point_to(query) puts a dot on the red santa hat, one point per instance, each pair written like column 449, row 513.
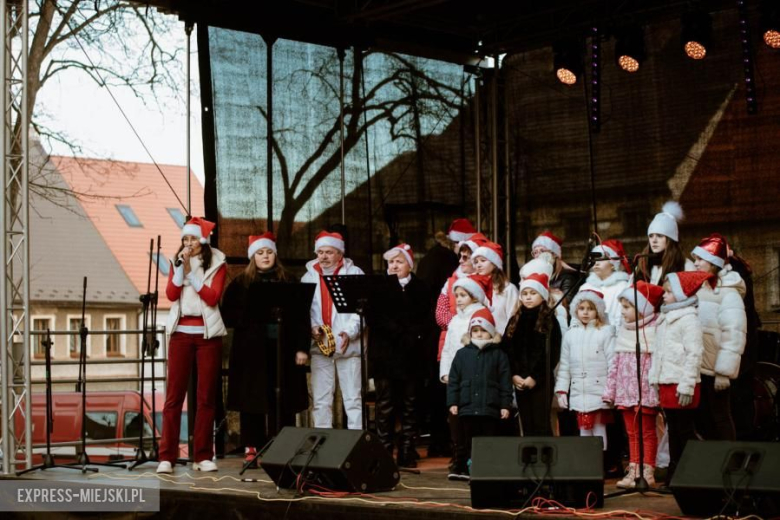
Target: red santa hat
column 614, row 252
column 483, row 318
column 593, row 296
column 460, row 230
column 550, row 242
column 478, row 286
column 648, row 297
column 714, row 249
column 493, row 252
column 199, row 228
column 665, row 223
column 404, row 249
column 539, row 282
column 473, row 243
column 258, row 242
column 686, row 283
column 325, row 239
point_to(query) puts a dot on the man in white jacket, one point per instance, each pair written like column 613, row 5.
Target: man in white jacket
column 330, row 260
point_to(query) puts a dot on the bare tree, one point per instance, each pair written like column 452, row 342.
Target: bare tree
column 400, row 97
column 116, row 44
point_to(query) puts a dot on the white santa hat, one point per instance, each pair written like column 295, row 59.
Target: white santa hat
column 473, row 243
column 199, row 228
column 665, row 223
column 537, row 265
column 460, row 230
column 596, row 298
column 550, row 242
column 483, row 318
column 493, row 252
column 258, row 242
column 325, row 239
column 479, row 287
column 404, row 249
column 648, row 297
column 539, row 282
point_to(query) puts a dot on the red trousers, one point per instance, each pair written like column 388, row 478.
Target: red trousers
column 207, row 353
column 648, row 434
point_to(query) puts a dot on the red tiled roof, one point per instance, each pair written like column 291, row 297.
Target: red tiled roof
column 138, row 185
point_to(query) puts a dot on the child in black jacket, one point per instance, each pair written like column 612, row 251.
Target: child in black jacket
column 479, row 388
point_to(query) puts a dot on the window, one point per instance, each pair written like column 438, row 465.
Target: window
column 177, row 216
column 162, row 264
column 132, row 429
column 129, row 215
column 114, row 341
column 40, row 325
column 101, row 425
column 183, row 431
column 74, row 340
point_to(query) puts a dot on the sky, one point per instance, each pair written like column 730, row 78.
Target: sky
column 75, row 104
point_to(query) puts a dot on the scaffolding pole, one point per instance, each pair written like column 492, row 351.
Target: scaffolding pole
column 15, row 245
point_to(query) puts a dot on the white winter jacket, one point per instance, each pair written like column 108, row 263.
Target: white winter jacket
column 213, row 327
column 724, row 323
column 678, row 349
column 625, row 340
column 586, row 354
column 503, row 306
column 349, row 323
column 458, row 327
column 611, row 289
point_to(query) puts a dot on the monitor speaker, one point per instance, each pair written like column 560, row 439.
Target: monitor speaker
column 508, row 472
column 337, row 460
column 721, row 477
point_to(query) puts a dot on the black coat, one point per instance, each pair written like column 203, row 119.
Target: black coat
column 480, row 381
column 398, row 319
column 252, row 369
column 526, row 347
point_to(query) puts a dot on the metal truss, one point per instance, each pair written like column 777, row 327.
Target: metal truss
column 15, row 404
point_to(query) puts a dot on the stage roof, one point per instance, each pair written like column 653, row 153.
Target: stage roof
column 448, row 30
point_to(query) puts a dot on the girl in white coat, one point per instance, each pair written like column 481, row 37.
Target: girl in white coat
column 489, row 261
column 677, row 354
column 724, row 323
column 586, row 353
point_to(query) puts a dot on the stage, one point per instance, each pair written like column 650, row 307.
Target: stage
column 429, row 496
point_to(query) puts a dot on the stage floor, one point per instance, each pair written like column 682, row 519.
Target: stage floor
column 429, row 495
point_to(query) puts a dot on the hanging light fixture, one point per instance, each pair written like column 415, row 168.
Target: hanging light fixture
column 567, row 61
column 696, row 36
column 630, row 49
column 770, row 23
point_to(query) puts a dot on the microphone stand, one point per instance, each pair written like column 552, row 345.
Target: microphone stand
column 81, row 386
column 48, row 458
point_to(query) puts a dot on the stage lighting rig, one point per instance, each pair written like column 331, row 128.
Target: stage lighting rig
column 630, row 49
column 696, row 36
column 770, row 23
column 567, row 61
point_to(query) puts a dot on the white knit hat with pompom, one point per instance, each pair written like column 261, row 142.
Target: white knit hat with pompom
column 665, row 223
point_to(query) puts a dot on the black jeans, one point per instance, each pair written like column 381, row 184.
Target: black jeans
column 681, row 425
column 393, row 396
column 713, row 416
column 476, row 426
column 535, row 409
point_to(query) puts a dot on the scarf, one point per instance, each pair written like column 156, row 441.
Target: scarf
column 325, row 299
column 692, row 301
column 644, row 322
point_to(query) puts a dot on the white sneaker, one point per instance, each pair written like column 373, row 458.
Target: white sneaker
column 204, row 465
column 164, row 467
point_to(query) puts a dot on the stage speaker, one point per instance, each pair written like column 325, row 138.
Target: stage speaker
column 507, row 472
column 721, row 477
column 338, row 460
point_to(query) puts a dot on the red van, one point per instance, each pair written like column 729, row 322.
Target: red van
column 111, row 415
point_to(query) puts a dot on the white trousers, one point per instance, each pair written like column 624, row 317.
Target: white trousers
column 599, row 430
column 323, row 387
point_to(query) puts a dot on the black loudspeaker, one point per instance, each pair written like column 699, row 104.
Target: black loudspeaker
column 721, row 477
column 510, row 471
column 337, row 460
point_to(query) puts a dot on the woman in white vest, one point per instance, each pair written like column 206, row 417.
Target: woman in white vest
column 195, row 283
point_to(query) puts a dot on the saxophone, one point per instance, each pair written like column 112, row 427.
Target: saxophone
column 327, row 343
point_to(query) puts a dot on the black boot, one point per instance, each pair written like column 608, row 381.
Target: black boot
column 385, row 419
column 407, row 456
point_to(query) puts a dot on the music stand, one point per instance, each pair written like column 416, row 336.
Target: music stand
column 280, row 301
column 352, row 295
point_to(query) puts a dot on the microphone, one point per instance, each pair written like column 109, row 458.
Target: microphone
column 179, row 259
